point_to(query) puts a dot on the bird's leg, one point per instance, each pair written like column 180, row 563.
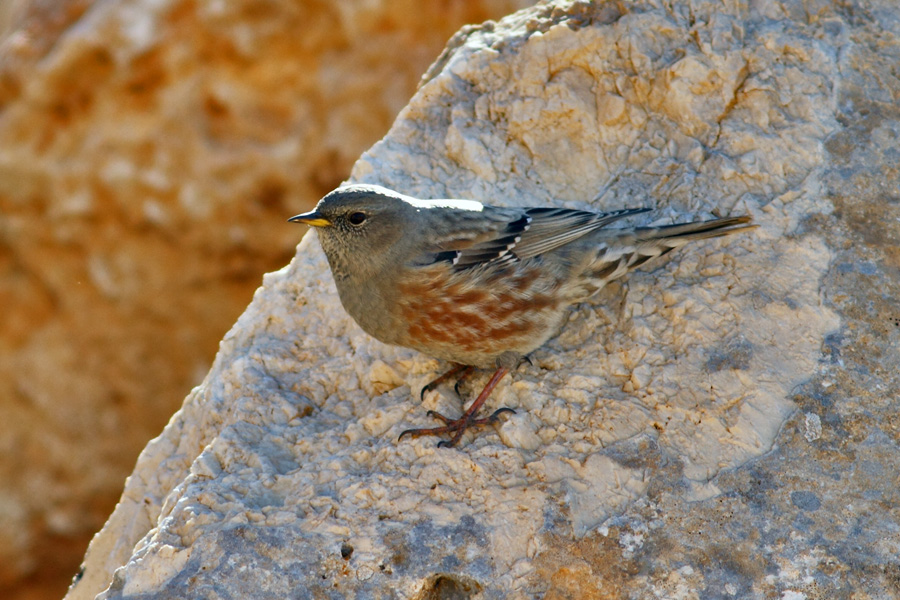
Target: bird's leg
column 458, row 371
column 458, row 426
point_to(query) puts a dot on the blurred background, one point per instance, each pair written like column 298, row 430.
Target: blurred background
column 150, row 154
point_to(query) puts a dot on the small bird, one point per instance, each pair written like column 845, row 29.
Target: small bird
column 477, row 285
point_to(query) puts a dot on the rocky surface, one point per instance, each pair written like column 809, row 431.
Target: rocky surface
column 724, row 425
column 150, row 152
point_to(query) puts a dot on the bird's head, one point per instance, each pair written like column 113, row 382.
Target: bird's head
column 360, row 227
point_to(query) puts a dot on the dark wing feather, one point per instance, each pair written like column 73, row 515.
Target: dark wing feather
column 520, row 234
column 496, row 248
column 555, row 227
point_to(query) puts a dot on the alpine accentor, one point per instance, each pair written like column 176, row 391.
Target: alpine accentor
column 477, row 285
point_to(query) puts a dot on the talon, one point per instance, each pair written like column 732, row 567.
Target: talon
column 426, row 388
column 496, row 414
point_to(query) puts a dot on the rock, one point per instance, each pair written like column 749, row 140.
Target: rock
column 678, row 455
column 150, row 153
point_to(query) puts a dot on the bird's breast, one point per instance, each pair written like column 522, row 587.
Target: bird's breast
column 471, row 316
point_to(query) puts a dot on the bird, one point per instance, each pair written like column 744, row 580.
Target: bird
column 477, row 285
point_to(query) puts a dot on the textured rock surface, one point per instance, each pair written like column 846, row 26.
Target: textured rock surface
column 723, row 425
column 150, row 152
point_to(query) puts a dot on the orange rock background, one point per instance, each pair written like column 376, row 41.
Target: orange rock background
column 150, row 153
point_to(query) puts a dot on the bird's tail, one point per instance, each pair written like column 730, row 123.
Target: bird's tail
column 632, row 248
column 682, row 233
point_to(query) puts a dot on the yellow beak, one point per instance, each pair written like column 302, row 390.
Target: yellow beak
column 311, row 218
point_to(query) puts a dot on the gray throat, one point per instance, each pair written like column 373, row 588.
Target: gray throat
column 363, row 298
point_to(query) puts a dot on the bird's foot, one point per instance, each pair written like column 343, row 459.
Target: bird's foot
column 455, row 426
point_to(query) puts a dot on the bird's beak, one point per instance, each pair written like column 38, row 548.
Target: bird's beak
column 311, row 218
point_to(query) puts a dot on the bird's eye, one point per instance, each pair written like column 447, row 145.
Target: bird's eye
column 356, row 218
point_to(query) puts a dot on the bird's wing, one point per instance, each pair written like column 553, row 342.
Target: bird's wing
column 498, row 236
column 551, row 228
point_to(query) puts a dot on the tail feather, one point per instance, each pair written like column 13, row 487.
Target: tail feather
column 683, row 233
column 633, row 248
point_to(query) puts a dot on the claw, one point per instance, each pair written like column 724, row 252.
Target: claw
column 495, row 416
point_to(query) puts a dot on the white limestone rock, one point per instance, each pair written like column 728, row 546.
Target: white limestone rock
column 282, row 474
